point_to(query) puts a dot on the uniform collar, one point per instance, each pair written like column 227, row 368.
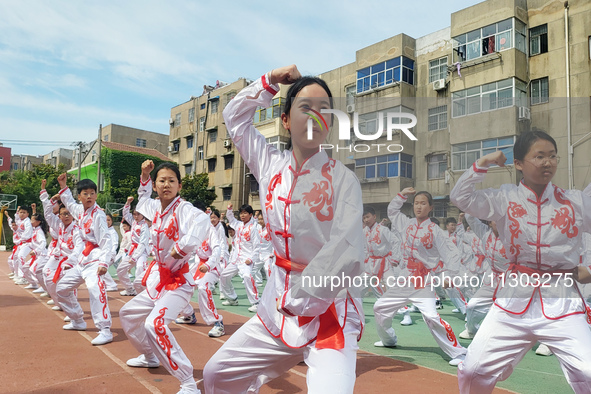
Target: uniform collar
column 315, row 161
column 531, row 195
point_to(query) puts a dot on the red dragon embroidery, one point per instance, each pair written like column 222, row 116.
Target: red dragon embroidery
column 172, row 231
column 210, row 303
column 162, row 338
column 246, row 234
column 205, row 246
column 87, row 225
column 564, row 220
column 272, row 185
column 103, row 296
column 427, row 239
column 450, row 333
column 376, row 238
column 515, row 211
column 321, row 194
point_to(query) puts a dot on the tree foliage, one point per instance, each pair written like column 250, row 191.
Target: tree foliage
column 195, row 189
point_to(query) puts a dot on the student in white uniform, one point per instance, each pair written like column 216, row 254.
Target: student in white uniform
column 312, row 205
column 178, row 229
column 541, row 226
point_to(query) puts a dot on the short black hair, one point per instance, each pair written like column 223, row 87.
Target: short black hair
column 526, row 139
column 435, row 220
column 367, row 209
column 111, row 216
column 216, row 213
column 169, row 166
column 450, row 220
column 42, row 222
column 25, row 208
column 199, row 205
column 125, row 222
column 246, row 208
column 85, row 184
column 426, row 194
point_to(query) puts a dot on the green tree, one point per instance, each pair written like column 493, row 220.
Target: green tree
column 195, row 189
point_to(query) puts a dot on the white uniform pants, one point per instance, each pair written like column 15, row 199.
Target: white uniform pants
column 145, row 322
column 395, row 298
column 252, row 357
column 23, row 253
column 457, row 298
column 504, row 339
column 37, row 268
column 123, row 273
column 245, row 272
column 48, row 274
column 207, row 307
column 97, row 294
column 11, row 259
column 478, row 307
column 141, row 266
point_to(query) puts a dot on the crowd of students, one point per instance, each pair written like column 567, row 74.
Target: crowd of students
column 520, row 250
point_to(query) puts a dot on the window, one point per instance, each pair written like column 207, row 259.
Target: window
column 15, row 166
column 229, row 97
column 200, row 153
column 213, row 136
column 538, row 40
column 211, row 165
column 106, row 138
column 589, row 47
column 369, row 123
column 140, row 142
column 438, row 118
column 202, row 123
column 492, row 38
column 436, row 166
column 191, row 114
column 254, row 185
column 1, row 161
column 214, row 106
column 188, row 169
column 272, row 112
column 463, row 155
column 385, row 73
column 93, row 157
column 176, row 145
column 539, row 91
column 228, row 162
column 437, row 69
column 202, row 106
column 189, row 142
column 227, row 193
column 488, row 97
column 278, row 142
column 350, row 94
column 440, row 210
column 386, row 166
column 177, row 120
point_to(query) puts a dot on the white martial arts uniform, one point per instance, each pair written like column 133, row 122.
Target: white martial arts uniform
column 543, row 240
column 137, row 254
column 425, row 246
column 25, row 232
column 168, row 281
column 16, row 240
column 247, row 243
column 122, row 259
column 109, row 282
column 97, row 251
column 266, row 257
column 314, row 213
column 40, row 256
column 495, row 264
column 379, row 252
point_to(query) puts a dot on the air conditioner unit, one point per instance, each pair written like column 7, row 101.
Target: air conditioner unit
column 439, row 84
column 170, row 148
column 524, row 113
column 227, row 143
column 350, row 108
column 171, row 121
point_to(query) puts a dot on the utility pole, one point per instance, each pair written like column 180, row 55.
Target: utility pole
column 80, row 159
column 98, row 169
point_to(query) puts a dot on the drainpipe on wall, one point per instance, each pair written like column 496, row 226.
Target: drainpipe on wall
column 568, row 125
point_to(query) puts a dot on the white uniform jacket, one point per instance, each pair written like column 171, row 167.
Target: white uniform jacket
column 140, row 236
column 542, row 238
column 51, row 218
column 247, row 240
column 93, row 230
column 210, row 251
column 266, row 248
column 426, row 247
column 495, row 256
column 314, row 215
column 378, row 246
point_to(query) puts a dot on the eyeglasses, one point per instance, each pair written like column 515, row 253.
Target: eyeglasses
column 65, row 214
column 539, row 161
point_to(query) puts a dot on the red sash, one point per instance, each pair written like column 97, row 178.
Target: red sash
column 89, row 248
column 58, row 271
column 330, row 333
column 382, row 264
column 199, row 274
column 480, row 260
column 133, row 248
column 168, row 280
column 418, row 270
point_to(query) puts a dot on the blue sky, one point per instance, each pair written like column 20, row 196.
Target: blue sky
column 68, row 66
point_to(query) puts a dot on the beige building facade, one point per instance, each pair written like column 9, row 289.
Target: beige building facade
column 59, row 156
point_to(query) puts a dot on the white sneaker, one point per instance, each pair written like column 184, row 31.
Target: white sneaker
column 21, row 282
column 406, row 321
column 142, row 362
column 104, row 337
column 253, row 308
column 189, row 388
column 77, row 326
column 402, row 311
column 455, row 310
column 31, row 286
column 214, row 291
column 44, row 294
column 11, row 275
column 67, row 319
column 222, row 296
column 413, row 309
column 381, row 344
column 56, row 308
column 456, row 361
column 50, row 302
column 543, row 350
column 128, row 293
column 112, row 289
column 466, row 335
column 38, row 290
column 187, row 319
column 230, row 302
column 217, row 330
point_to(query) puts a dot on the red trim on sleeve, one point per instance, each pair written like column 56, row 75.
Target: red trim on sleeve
column 266, row 85
column 180, row 252
column 144, row 183
column 403, row 197
column 63, row 190
column 476, row 169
